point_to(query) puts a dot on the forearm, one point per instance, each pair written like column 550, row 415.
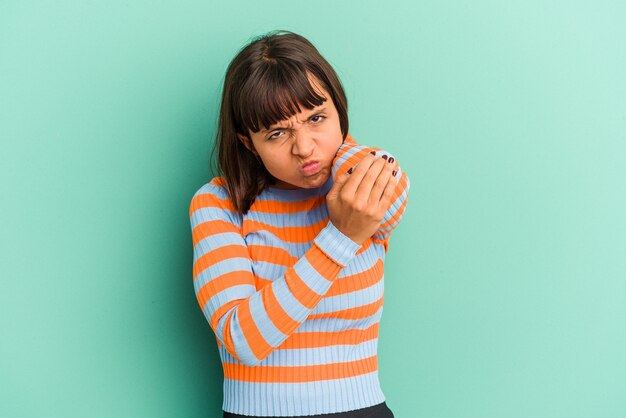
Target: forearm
column 258, row 321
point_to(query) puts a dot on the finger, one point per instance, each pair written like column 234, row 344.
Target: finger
column 389, row 193
column 338, row 184
column 357, row 174
column 381, row 183
column 387, row 198
column 364, row 190
column 372, row 185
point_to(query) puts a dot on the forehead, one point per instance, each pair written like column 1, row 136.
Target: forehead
column 300, row 115
column 304, row 112
column 278, row 98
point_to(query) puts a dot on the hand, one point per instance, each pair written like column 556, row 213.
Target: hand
column 357, row 202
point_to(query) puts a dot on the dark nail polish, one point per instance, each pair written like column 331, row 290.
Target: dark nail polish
column 391, row 160
column 384, row 157
column 373, row 152
column 350, row 171
column 394, row 172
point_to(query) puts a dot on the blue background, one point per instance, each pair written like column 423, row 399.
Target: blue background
column 505, row 282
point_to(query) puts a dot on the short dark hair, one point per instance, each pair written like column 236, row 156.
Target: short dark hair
column 267, row 82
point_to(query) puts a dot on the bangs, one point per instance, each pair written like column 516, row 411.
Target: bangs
column 274, row 95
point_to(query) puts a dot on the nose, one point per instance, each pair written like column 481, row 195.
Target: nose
column 303, row 144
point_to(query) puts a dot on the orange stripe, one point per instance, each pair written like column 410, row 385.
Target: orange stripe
column 294, row 374
column 258, row 345
column 358, row 281
column 280, row 318
column 281, row 257
column 218, row 255
column 358, row 312
column 208, row 228
column 261, row 283
column 219, row 312
column 209, row 200
column 281, row 207
column 219, row 181
column 365, row 246
column 349, row 141
column 401, row 186
column 325, row 339
column 395, row 216
column 353, row 159
column 274, row 255
column 384, row 243
column 324, row 266
column 294, row 234
column 224, row 281
column 301, row 291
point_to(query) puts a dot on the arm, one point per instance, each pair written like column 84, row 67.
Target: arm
column 250, row 323
column 348, row 155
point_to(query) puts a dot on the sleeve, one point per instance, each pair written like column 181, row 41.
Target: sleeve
column 251, row 323
column 348, row 155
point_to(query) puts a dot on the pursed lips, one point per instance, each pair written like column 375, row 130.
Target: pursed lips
column 310, row 168
column 309, row 163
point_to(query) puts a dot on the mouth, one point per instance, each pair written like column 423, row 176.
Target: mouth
column 310, row 168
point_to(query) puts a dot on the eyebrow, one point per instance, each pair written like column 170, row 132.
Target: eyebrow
column 315, row 111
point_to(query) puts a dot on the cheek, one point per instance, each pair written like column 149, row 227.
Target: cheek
column 276, row 164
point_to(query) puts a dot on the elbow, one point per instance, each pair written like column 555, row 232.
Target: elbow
column 234, row 341
column 248, row 359
column 251, row 361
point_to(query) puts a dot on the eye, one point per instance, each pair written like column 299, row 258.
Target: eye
column 321, row 117
column 272, row 135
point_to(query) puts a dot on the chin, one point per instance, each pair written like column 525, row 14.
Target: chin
column 307, row 183
column 320, row 180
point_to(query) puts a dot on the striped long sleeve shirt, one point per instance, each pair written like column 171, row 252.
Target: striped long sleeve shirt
column 295, row 304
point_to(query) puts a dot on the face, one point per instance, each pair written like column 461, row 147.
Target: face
column 309, row 136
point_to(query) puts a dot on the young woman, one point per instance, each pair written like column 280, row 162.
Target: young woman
column 289, row 242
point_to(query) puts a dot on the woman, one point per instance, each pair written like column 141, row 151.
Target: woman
column 290, row 242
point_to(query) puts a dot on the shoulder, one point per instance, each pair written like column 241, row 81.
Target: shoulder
column 211, row 211
column 213, row 194
column 216, row 187
column 351, row 152
column 352, row 147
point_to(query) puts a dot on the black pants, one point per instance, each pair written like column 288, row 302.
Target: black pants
column 375, row 411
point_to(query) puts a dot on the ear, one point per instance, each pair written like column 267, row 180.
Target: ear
column 247, row 143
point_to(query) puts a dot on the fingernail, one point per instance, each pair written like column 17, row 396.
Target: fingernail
column 373, row 152
column 394, row 172
column 350, row 171
column 384, row 157
column 391, row 160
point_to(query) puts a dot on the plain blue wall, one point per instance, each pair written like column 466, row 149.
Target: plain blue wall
column 505, row 282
